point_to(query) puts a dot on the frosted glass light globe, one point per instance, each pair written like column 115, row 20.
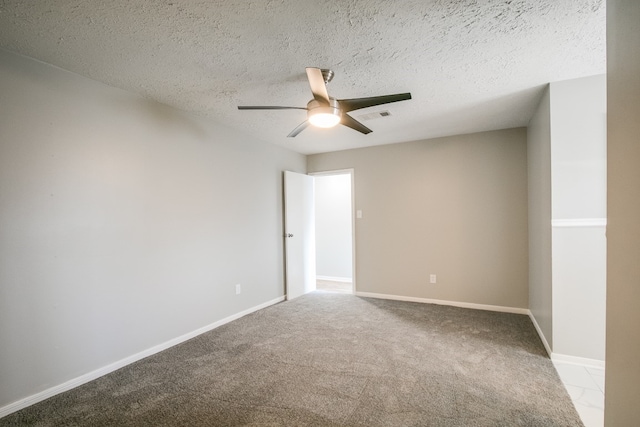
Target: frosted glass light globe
column 324, row 120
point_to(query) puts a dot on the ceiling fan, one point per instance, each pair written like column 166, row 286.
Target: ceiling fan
column 325, row 111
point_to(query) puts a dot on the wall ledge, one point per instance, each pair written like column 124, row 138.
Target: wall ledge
column 579, row 222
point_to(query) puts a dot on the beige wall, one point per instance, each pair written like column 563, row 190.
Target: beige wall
column 455, row 207
column 623, row 208
column 123, row 225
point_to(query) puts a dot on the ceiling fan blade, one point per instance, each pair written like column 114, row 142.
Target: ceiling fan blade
column 302, row 126
column 358, row 103
column 352, row 123
column 267, row 107
column 318, row 87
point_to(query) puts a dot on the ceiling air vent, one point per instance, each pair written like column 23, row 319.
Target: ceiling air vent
column 376, row 115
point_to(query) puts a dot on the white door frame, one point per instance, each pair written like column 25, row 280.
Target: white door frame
column 351, row 172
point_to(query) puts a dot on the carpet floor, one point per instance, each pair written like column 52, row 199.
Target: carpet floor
column 329, row 359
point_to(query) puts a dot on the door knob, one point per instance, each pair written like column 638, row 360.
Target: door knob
column 288, row 235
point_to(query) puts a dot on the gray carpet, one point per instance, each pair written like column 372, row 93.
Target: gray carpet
column 332, row 360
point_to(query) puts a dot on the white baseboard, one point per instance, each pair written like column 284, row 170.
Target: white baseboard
column 335, row 279
column 564, row 358
column 540, row 334
column 498, row 308
column 90, row 376
column 575, row 360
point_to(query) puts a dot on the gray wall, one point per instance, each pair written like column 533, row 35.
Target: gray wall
column 333, row 226
column 578, row 148
column 539, row 181
column 123, row 224
column 578, row 204
column 455, row 207
column 623, row 209
column 567, row 213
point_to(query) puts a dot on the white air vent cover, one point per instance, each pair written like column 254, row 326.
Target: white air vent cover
column 375, row 115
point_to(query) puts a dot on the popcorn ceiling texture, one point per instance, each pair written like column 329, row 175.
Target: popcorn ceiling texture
column 471, row 65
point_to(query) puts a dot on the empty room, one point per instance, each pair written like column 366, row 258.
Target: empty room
column 159, row 246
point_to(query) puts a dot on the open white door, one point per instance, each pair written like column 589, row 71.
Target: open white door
column 299, row 226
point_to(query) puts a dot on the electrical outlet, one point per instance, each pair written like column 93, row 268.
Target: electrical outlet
column 238, row 289
column 432, row 278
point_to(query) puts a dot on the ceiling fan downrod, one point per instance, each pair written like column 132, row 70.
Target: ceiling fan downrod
column 327, row 75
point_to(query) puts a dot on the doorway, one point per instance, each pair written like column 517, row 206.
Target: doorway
column 334, row 227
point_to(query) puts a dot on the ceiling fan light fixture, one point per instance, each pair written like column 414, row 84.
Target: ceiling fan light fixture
column 323, row 120
column 323, row 116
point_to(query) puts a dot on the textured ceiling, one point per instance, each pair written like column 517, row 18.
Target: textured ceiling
column 471, row 65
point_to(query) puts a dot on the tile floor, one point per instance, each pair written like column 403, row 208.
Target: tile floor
column 331, row 286
column 585, row 386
